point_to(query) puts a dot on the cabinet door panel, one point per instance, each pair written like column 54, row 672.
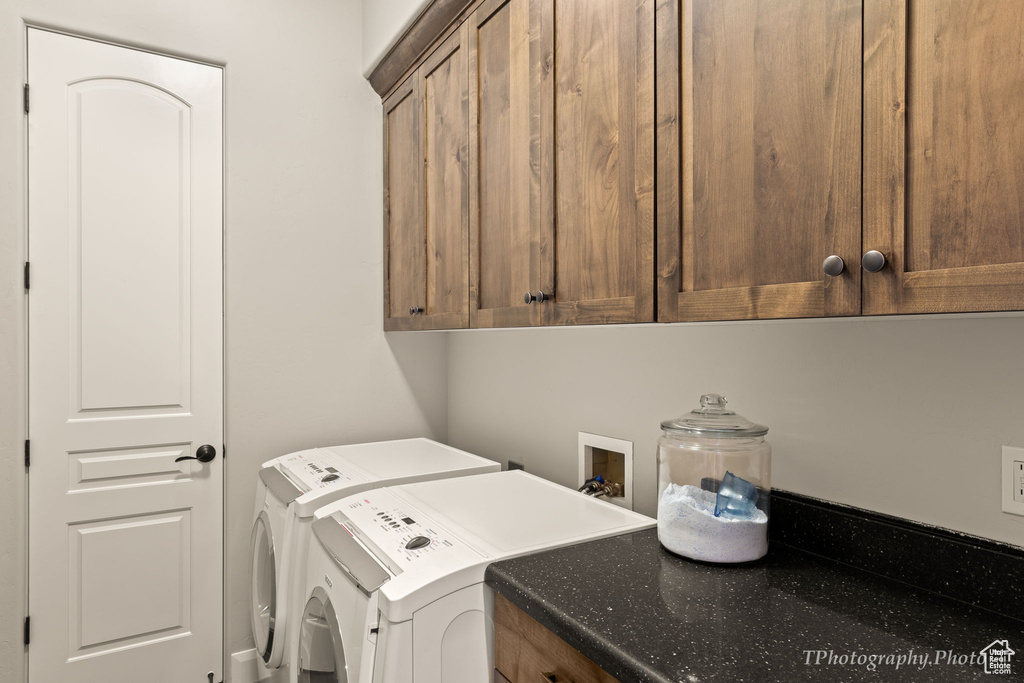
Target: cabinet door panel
column 404, row 247
column 759, row 158
column 526, row 652
column 446, row 128
column 602, row 162
column 944, row 161
column 505, row 83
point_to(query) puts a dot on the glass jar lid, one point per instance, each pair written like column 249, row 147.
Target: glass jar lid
column 714, row 419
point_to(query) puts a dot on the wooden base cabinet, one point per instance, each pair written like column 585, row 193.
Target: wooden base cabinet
column 526, row 652
column 426, row 195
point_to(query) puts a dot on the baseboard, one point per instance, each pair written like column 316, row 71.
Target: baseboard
column 243, row 667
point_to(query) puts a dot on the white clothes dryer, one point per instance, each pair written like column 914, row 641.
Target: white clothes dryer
column 395, row 579
column 290, row 488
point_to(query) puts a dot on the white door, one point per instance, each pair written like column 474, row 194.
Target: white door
column 125, row 369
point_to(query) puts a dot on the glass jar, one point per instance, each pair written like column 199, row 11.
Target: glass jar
column 714, row 485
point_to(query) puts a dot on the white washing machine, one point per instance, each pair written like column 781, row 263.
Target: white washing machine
column 395, row 576
column 289, row 490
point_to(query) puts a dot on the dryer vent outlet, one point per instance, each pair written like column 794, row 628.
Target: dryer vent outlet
column 612, row 459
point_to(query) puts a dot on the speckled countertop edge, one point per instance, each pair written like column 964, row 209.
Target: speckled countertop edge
column 599, row 650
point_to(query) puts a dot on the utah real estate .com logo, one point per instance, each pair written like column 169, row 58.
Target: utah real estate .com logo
column 996, row 657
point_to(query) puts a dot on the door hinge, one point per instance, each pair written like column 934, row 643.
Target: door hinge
column 223, row 451
column 28, row 632
column 28, row 453
column 28, row 275
column 26, row 98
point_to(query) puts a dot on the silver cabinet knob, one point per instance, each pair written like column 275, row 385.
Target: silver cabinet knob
column 413, row 310
column 529, row 297
column 873, row 261
column 833, row 266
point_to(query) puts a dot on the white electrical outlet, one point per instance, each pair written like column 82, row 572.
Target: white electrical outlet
column 1013, row 480
column 1018, row 481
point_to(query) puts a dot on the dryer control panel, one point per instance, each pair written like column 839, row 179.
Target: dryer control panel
column 403, row 537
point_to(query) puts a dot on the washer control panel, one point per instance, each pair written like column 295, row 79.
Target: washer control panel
column 397, row 533
column 316, row 470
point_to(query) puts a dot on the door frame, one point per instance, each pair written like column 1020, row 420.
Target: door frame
column 23, row 523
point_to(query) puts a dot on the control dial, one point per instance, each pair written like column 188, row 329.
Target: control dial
column 418, row 542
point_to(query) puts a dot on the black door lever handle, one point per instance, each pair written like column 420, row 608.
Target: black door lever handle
column 204, row 454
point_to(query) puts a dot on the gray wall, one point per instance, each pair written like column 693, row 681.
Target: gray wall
column 307, row 362
column 901, row 416
column 384, row 22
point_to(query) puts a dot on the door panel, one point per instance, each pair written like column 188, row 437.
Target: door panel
column 446, row 129
column 125, row 370
column 602, row 164
column 505, row 83
column 944, row 144
column 766, row 131
column 405, row 245
column 126, row 467
column 118, row 368
column 113, row 563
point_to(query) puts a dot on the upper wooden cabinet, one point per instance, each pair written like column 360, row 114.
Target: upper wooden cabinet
column 426, row 201
column 562, row 162
column 506, row 226
column 944, row 155
column 404, row 238
column 520, row 162
column 597, row 168
column 759, row 158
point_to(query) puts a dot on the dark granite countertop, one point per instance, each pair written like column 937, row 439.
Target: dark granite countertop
column 644, row 614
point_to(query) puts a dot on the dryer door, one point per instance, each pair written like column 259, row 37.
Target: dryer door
column 263, row 586
column 321, row 646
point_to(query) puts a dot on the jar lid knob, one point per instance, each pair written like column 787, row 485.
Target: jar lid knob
column 713, row 401
column 714, row 418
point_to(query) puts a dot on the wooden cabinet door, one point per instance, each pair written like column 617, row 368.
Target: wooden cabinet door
column 505, row 84
column 404, row 237
column 759, row 133
column 597, row 254
column 445, row 87
column 944, row 155
column 426, row 133
column 526, row 652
